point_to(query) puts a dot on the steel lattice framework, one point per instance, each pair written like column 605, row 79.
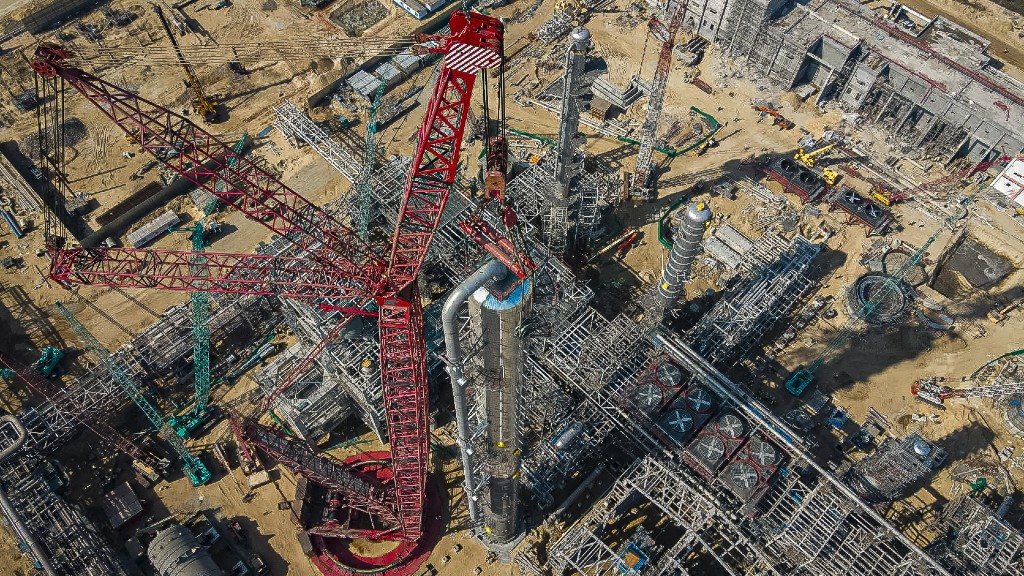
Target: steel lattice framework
column 644, row 158
column 340, row 266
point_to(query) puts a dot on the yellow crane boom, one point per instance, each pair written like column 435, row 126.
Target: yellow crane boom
column 808, row 158
column 202, row 105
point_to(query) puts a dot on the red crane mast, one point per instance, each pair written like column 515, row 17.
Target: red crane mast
column 340, row 265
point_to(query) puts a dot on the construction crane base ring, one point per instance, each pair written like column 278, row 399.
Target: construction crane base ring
column 334, row 556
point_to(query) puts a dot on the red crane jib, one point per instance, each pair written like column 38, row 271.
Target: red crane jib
column 475, row 43
column 290, row 277
column 340, row 265
column 204, row 160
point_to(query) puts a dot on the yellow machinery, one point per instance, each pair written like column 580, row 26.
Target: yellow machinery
column 997, row 316
column 808, row 158
column 202, row 105
column 830, row 176
column 885, row 197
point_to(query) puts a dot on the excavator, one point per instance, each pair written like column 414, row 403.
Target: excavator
column 777, row 118
column 996, row 316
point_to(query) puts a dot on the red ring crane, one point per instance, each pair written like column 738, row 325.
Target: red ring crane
column 339, row 267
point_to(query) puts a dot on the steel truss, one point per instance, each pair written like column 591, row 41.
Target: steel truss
column 741, row 318
column 293, row 122
column 75, row 543
column 977, row 540
column 335, row 251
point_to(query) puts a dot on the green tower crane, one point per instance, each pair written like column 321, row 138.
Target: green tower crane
column 187, row 423
column 194, row 468
column 802, row 378
column 220, row 185
column 369, row 162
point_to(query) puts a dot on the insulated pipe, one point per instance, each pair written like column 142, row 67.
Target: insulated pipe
column 11, row 515
column 450, row 321
column 19, row 441
column 8, row 509
column 578, row 492
column 685, row 247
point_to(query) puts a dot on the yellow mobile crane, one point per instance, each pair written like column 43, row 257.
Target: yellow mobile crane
column 202, row 105
column 810, row 158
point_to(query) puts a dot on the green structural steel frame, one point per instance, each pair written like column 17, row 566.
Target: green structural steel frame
column 365, row 187
column 194, row 468
column 240, row 147
column 187, row 423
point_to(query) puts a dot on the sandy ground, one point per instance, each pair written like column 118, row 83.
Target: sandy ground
column 1003, row 27
column 881, row 365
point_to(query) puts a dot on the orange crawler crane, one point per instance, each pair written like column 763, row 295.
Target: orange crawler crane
column 777, row 118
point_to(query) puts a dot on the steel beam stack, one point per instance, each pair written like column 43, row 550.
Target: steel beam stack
column 293, row 122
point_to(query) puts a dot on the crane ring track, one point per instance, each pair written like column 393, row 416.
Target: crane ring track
column 336, row 556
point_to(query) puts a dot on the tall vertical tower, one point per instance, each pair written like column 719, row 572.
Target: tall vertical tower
column 686, row 241
column 498, row 323
column 568, row 161
column 567, row 165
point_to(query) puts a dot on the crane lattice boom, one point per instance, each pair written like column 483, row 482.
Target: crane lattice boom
column 194, row 468
column 655, row 101
column 340, row 265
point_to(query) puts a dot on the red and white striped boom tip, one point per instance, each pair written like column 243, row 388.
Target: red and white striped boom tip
column 476, row 42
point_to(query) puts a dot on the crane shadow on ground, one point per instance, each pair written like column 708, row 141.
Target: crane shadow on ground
column 252, row 91
column 28, row 325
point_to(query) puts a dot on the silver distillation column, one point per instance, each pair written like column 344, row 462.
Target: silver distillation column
column 498, row 324
column 686, row 244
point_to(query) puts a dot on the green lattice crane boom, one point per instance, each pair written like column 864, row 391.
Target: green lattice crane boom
column 221, row 184
column 369, row 159
column 799, row 381
column 194, row 468
column 186, row 423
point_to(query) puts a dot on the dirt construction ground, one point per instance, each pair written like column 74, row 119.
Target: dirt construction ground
column 874, row 371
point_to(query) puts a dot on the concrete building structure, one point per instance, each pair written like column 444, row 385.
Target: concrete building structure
column 929, row 82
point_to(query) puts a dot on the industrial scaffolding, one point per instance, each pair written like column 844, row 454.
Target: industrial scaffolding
column 777, row 280
column 975, row 539
column 894, row 467
column 74, row 543
column 686, row 501
column 806, row 522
